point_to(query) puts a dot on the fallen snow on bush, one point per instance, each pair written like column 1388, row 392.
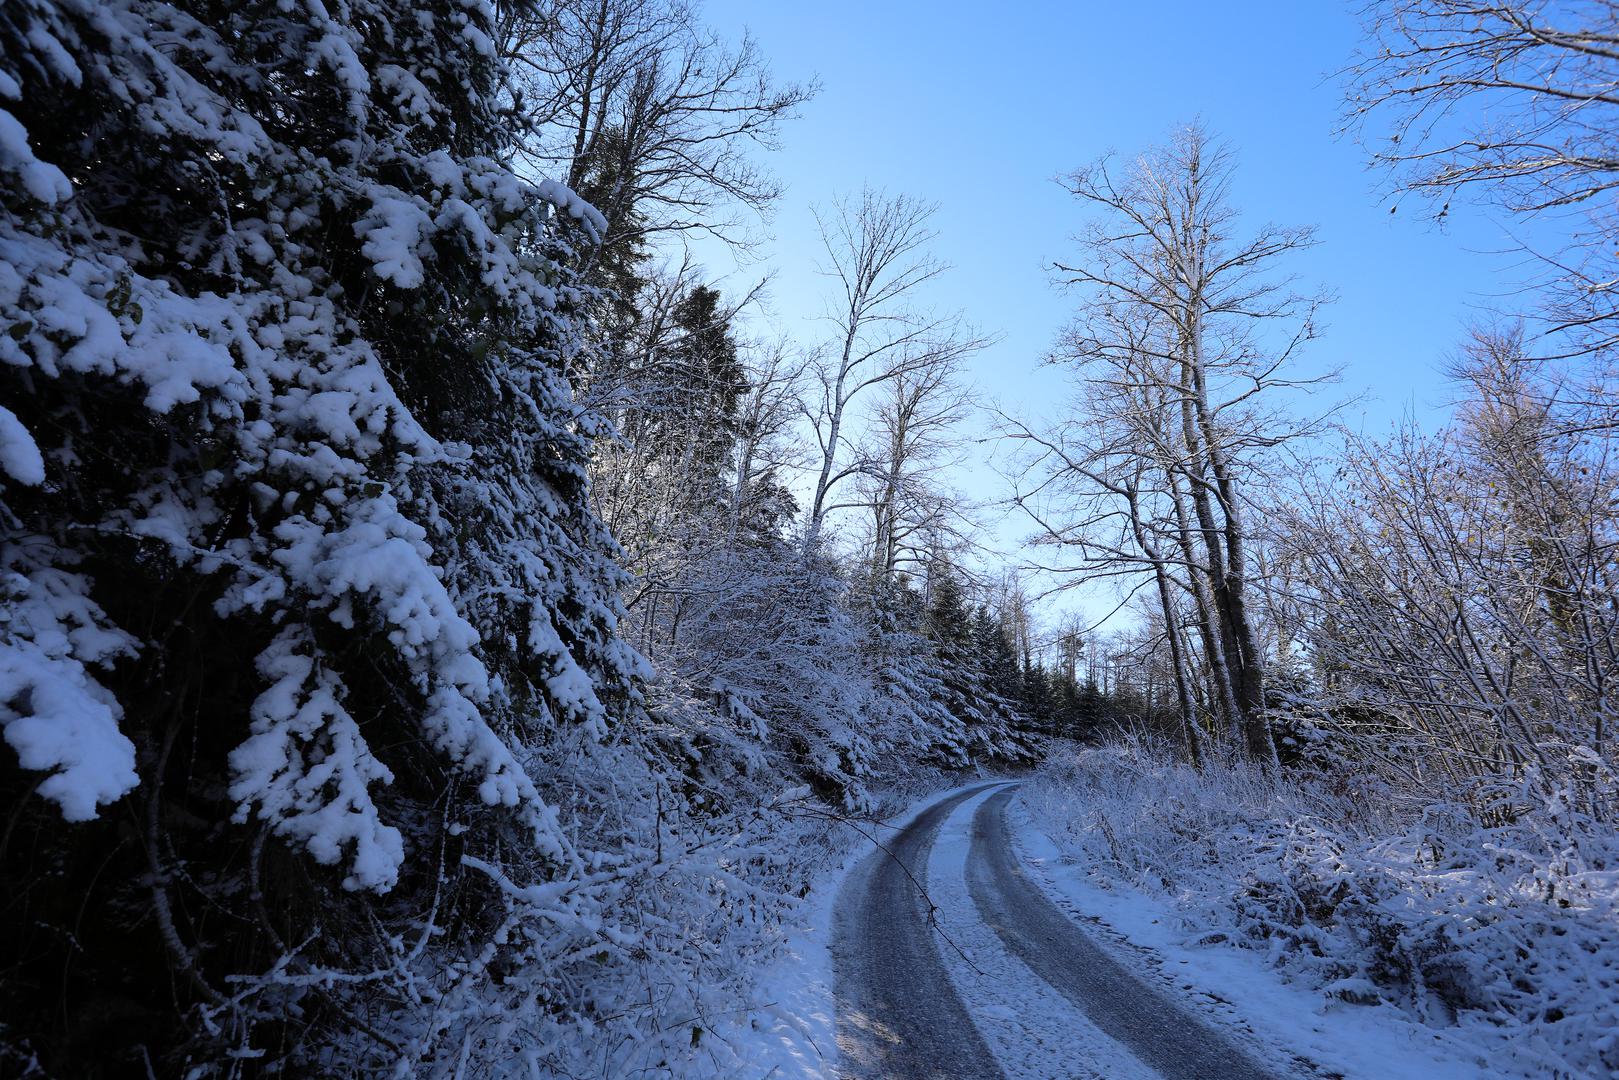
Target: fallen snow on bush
column 1502, row 937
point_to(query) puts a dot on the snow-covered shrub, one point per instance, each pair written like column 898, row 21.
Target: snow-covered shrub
column 772, row 663
column 1511, row 929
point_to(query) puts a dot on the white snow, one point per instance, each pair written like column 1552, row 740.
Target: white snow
column 790, row 1029
column 20, row 458
column 1031, row 1028
column 307, row 770
column 1236, row 987
column 1035, row 1032
column 790, row 1033
column 395, row 230
column 55, row 715
column 43, row 181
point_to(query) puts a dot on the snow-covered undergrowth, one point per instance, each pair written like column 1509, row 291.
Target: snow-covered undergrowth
column 1509, row 931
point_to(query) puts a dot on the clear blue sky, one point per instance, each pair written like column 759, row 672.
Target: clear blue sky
column 977, row 107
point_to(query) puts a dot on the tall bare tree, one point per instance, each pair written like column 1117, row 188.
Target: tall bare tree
column 763, row 450
column 1470, row 598
column 913, row 440
column 876, row 254
column 1097, row 486
column 646, row 111
column 1186, row 321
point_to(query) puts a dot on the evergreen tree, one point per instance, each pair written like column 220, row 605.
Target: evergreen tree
column 299, row 578
column 615, row 260
column 998, row 656
column 1039, row 699
column 1088, row 710
column 695, row 423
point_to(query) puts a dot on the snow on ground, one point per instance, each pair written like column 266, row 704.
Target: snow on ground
column 791, row 1032
column 1233, row 986
column 1032, row 1029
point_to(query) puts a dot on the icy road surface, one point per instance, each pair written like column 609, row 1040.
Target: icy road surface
column 951, row 962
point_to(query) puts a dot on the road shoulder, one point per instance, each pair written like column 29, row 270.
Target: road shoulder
column 1232, row 986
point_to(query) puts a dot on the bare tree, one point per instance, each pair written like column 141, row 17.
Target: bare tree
column 670, row 393
column 1097, row 488
column 1189, row 335
column 646, row 112
column 762, row 451
column 1535, row 447
column 913, row 440
column 875, row 248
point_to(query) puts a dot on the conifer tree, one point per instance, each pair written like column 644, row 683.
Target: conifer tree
column 298, row 570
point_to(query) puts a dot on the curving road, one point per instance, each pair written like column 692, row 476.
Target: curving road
column 897, row 1016
column 902, row 1015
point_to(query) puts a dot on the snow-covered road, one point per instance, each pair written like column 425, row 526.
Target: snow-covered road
column 952, row 962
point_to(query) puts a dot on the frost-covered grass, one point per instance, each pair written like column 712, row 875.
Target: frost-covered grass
column 1508, row 931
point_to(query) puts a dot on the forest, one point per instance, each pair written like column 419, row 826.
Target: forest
column 448, row 627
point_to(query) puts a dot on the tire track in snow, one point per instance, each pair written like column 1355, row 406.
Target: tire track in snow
column 898, row 1016
column 1161, row 1033
column 1033, row 1030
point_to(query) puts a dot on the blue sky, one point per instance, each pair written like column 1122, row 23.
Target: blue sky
column 977, row 107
